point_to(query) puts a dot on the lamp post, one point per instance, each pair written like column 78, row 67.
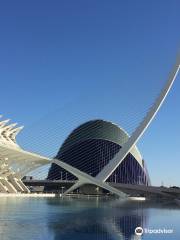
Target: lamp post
column 115, row 178
column 62, row 189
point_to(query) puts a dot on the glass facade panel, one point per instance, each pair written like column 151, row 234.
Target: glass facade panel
column 91, row 156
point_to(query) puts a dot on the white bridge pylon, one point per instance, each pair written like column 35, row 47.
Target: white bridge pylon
column 127, row 146
column 13, row 155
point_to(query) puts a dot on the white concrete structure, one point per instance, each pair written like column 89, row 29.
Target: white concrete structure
column 15, row 162
column 127, row 146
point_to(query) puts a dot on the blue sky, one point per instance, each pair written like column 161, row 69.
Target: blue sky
column 64, row 62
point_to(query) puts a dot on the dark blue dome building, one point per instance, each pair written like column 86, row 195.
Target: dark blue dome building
column 91, row 146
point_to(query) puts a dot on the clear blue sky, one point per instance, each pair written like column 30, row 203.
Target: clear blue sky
column 71, row 61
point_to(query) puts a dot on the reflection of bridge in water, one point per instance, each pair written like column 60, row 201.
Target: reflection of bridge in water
column 104, row 220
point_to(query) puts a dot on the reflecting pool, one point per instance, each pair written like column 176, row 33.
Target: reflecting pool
column 86, row 219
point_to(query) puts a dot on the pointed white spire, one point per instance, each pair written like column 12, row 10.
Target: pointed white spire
column 9, row 127
column 4, row 122
column 14, row 132
column 8, row 132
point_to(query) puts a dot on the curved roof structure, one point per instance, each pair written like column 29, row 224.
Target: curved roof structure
column 100, row 129
column 91, row 146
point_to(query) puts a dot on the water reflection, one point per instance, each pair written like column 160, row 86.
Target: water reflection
column 83, row 219
column 99, row 220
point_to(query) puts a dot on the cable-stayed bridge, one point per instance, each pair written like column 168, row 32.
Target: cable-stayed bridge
column 16, row 162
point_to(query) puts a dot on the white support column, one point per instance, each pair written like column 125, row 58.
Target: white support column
column 23, row 186
column 3, row 189
column 15, row 183
column 9, row 186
